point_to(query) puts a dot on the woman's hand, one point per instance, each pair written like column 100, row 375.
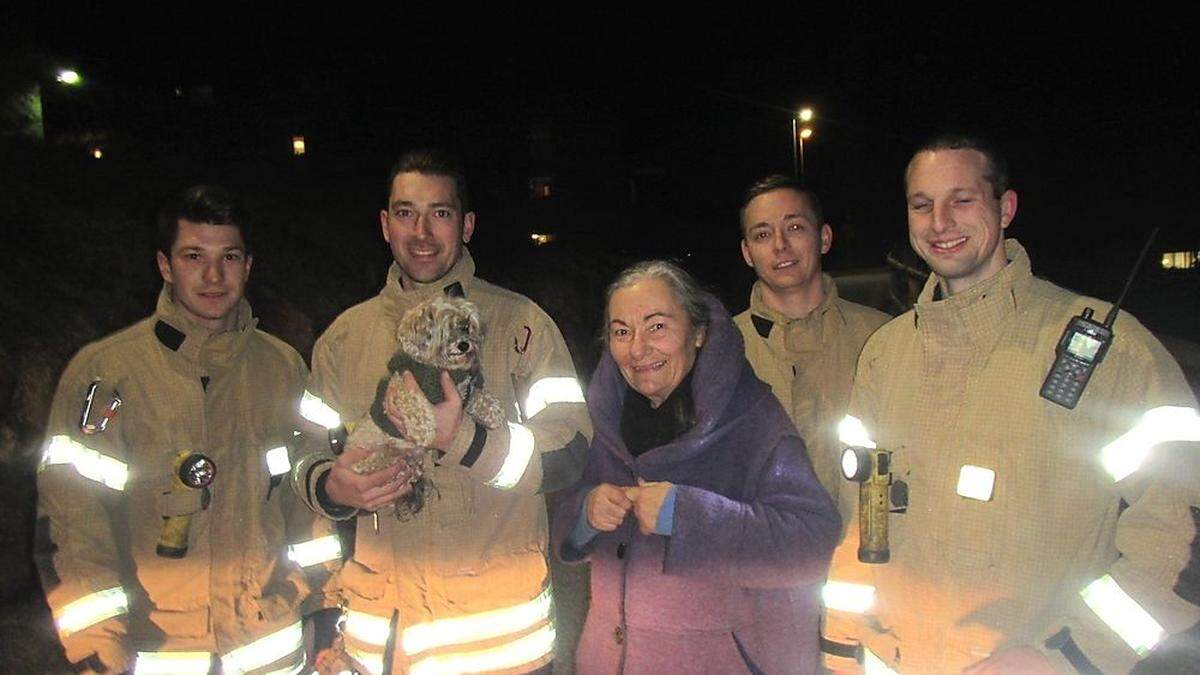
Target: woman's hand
column 607, row 506
column 647, row 501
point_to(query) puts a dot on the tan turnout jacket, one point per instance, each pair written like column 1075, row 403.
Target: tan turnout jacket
column 1027, row 523
column 464, row 584
column 809, row 364
column 236, row 595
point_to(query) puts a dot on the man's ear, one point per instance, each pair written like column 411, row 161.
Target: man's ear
column 826, row 238
column 468, row 226
column 746, row 253
column 164, row 266
column 1008, row 208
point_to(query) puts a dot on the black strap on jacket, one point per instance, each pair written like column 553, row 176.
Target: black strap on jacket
column 1064, row 643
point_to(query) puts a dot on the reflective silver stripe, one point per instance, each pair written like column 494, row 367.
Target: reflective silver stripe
column 88, row 463
column 847, row 597
column 265, row 651
column 550, row 390
column 474, row 627
column 873, row 665
column 317, row 411
column 529, row 648
column 368, row 628
column 278, row 462
column 90, row 610
column 172, row 663
column 852, row 432
column 315, row 551
column 1122, row 614
column 372, row 662
column 1159, row 425
column 976, row 482
column 520, row 451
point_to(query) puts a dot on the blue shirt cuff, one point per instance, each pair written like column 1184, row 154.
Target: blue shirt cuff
column 583, row 532
column 665, row 523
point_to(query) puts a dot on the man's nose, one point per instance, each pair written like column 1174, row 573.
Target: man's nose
column 943, row 220
column 779, row 241
column 214, row 272
column 422, row 225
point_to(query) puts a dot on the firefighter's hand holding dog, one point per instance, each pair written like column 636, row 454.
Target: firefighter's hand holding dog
column 367, row 491
column 447, row 415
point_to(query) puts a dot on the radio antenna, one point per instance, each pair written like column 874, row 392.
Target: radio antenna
column 1112, row 313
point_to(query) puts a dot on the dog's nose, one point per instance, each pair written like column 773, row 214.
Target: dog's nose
column 464, row 346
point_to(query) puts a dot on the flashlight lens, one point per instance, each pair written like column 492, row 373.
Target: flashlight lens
column 849, row 463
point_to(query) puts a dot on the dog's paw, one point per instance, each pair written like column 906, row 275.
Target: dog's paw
column 412, row 409
column 485, row 409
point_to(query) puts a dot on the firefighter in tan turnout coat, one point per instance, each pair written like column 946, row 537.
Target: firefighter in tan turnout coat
column 463, row 586
column 1035, row 538
column 196, row 378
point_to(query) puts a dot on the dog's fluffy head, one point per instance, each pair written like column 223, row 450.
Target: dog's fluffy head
column 444, row 332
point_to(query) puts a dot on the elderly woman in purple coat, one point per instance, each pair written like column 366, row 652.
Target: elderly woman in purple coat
column 707, row 532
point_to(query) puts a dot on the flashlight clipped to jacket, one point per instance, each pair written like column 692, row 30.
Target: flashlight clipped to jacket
column 193, row 473
column 864, row 463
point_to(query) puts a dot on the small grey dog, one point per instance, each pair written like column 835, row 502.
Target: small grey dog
column 443, row 333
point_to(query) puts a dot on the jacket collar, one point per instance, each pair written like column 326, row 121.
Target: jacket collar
column 803, row 334
column 195, row 346
column 456, row 282
column 976, row 312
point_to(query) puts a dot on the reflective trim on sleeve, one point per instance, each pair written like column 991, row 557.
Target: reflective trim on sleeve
column 172, row 663
column 532, row 647
column 317, row 411
column 873, row 665
column 520, row 451
column 88, row 463
column 1122, row 614
column 852, row 432
column 278, row 462
column 91, row 610
column 976, row 482
column 1126, row 454
column 265, row 651
column 315, row 551
column 847, row 597
column 368, row 628
column 550, row 390
column 373, row 663
column 474, row 627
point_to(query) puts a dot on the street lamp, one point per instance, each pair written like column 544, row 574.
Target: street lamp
column 804, row 115
column 68, row 77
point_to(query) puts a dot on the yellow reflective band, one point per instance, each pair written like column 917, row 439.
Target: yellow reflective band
column 373, row 663
column 976, row 482
column 847, row 597
column 87, row 462
column 475, row 627
column 524, row 650
column 316, row 411
column 1122, row 614
column 172, row 663
column 873, row 665
column 1160, row 425
column 265, row 651
column 315, row 551
column 90, row 610
column 278, row 462
column 368, row 628
column 520, row 451
column 852, row 432
column 550, row 390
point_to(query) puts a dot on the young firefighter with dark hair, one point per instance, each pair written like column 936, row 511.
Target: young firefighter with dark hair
column 1038, row 532
column 169, row 540
column 463, row 585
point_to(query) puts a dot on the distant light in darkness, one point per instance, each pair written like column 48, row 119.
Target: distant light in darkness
column 806, row 114
column 68, row 77
column 541, row 239
column 1179, row 260
column 298, row 145
column 97, row 152
column 806, row 133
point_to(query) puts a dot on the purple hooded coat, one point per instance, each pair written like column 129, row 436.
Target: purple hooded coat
column 736, row 587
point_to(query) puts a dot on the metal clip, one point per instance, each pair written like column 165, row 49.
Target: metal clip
column 109, row 412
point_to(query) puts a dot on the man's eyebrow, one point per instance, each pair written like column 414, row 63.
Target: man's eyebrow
column 665, row 315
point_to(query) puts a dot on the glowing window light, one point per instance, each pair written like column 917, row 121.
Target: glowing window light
column 298, row 147
column 1179, row 260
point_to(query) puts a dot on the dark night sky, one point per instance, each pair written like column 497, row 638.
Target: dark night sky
column 1095, row 111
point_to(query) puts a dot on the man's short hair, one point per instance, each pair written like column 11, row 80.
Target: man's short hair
column 995, row 168
column 433, row 162
column 207, row 204
column 778, row 181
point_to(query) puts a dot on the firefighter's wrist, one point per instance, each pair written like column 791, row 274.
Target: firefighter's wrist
column 327, row 503
column 469, row 436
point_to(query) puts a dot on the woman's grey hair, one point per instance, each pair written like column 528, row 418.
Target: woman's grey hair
column 687, row 290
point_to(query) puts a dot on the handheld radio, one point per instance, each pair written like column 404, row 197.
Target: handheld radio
column 1082, row 347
